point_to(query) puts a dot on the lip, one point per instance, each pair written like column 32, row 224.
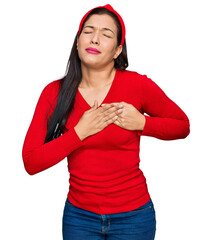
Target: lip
column 93, row 50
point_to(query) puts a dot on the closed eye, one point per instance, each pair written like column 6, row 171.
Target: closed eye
column 106, row 35
column 103, row 34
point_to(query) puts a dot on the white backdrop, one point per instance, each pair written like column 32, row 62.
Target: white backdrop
column 170, row 42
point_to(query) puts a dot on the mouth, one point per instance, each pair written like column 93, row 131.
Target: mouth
column 92, row 50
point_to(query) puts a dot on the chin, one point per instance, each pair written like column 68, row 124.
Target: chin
column 91, row 63
column 93, row 66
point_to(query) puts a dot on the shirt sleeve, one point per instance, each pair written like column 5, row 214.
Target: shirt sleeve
column 38, row 156
column 166, row 119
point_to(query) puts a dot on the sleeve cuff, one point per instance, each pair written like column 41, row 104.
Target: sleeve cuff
column 149, row 123
column 71, row 141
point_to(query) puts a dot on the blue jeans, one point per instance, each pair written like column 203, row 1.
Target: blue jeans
column 80, row 224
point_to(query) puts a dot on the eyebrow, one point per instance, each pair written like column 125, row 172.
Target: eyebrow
column 108, row 29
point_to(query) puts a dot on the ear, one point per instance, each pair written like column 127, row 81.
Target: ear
column 118, row 51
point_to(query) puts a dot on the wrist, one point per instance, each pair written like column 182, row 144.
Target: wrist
column 79, row 133
column 142, row 121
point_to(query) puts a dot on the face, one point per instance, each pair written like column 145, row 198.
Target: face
column 100, row 33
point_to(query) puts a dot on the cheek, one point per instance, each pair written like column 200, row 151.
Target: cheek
column 81, row 47
column 83, row 40
column 110, row 47
column 112, row 52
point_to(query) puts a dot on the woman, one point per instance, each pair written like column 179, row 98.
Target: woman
column 94, row 116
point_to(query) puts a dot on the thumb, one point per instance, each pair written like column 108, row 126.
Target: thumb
column 95, row 105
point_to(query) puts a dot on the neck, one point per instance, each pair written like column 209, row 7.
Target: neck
column 94, row 79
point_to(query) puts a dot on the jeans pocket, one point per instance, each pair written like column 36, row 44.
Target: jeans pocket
column 69, row 203
column 144, row 207
column 140, row 210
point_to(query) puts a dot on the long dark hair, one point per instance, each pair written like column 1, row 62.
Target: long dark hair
column 70, row 82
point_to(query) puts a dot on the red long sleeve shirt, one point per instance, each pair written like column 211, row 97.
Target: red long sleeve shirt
column 105, row 177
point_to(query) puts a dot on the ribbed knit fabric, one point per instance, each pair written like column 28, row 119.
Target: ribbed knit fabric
column 105, row 177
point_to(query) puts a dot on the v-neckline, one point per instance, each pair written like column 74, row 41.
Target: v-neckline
column 107, row 95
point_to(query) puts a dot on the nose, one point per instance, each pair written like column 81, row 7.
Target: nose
column 95, row 38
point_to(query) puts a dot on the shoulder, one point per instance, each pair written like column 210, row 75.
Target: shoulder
column 135, row 78
column 52, row 86
column 51, row 89
column 132, row 74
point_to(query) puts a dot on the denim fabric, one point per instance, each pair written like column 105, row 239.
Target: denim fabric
column 138, row 224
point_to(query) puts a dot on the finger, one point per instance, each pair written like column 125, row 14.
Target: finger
column 96, row 103
column 116, row 122
column 108, row 108
column 95, row 106
column 112, row 106
column 110, row 115
column 109, row 121
column 111, row 112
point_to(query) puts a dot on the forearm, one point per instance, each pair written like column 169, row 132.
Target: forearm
column 38, row 157
column 166, row 128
